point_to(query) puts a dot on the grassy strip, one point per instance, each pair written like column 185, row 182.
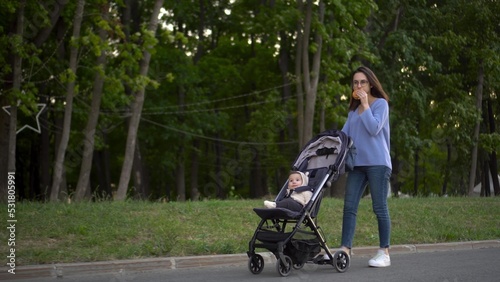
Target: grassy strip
column 82, row 232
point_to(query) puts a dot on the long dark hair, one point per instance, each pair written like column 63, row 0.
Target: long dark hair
column 376, row 87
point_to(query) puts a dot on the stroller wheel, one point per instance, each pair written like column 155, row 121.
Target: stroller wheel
column 256, row 264
column 284, row 267
column 341, row 261
column 298, row 265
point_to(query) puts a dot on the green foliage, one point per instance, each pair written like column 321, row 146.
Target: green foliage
column 221, row 84
column 490, row 142
column 431, row 76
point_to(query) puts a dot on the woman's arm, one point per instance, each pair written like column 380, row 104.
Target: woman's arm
column 375, row 117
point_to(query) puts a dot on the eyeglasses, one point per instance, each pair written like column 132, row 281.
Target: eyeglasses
column 362, row 82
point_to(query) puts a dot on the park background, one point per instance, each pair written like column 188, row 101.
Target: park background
column 189, row 100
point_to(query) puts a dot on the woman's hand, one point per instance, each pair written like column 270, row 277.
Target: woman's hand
column 361, row 94
column 363, row 98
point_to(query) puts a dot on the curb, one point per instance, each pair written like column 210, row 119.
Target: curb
column 141, row 265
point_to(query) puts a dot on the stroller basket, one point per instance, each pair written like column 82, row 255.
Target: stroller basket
column 272, row 237
column 303, row 249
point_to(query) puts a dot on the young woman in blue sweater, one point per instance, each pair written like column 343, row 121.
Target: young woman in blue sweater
column 368, row 125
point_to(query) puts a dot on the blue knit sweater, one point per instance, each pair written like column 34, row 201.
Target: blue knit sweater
column 370, row 132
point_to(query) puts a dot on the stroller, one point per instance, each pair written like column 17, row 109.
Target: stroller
column 294, row 237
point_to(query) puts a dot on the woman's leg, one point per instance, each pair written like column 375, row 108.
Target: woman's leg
column 355, row 186
column 378, row 178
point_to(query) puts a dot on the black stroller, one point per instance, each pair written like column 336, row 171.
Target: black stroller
column 294, row 237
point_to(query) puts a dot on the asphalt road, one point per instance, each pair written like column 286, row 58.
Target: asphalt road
column 440, row 266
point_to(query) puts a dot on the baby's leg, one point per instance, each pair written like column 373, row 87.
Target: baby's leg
column 289, row 203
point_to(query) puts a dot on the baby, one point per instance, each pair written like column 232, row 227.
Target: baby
column 295, row 199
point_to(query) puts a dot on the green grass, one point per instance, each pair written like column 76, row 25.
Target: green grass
column 82, row 232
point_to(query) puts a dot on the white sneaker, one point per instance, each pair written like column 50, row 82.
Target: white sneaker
column 380, row 260
column 270, row 204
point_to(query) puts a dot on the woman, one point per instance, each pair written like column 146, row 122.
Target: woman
column 368, row 125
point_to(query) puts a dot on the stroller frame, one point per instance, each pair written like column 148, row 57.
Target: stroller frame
column 271, row 233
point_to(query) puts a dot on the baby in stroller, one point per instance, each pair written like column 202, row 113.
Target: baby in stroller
column 294, row 237
column 298, row 193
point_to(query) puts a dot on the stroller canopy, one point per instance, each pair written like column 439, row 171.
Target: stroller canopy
column 327, row 149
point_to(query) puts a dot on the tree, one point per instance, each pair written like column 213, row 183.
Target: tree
column 473, row 60
column 138, row 103
column 70, row 92
column 16, row 86
column 83, row 185
column 308, row 72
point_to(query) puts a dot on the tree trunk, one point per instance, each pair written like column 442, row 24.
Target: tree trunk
column 485, row 179
column 493, row 155
column 136, row 113
column 219, row 184
column 141, row 176
column 180, row 182
column 416, row 176
column 300, row 78
column 494, row 173
column 89, row 133
column 102, row 166
column 475, row 137
column 16, row 86
column 131, row 18
column 180, row 174
column 44, row 152
column 310, row 77
column 61, row 150
column 195, row 167
column 195, row 148
column 56, row 9
column 58, row 123
column 4, row 149
column 447, row 169
column 284, row 65
column 396, row 168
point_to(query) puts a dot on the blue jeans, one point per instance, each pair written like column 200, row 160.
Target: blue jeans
column 378, row 179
